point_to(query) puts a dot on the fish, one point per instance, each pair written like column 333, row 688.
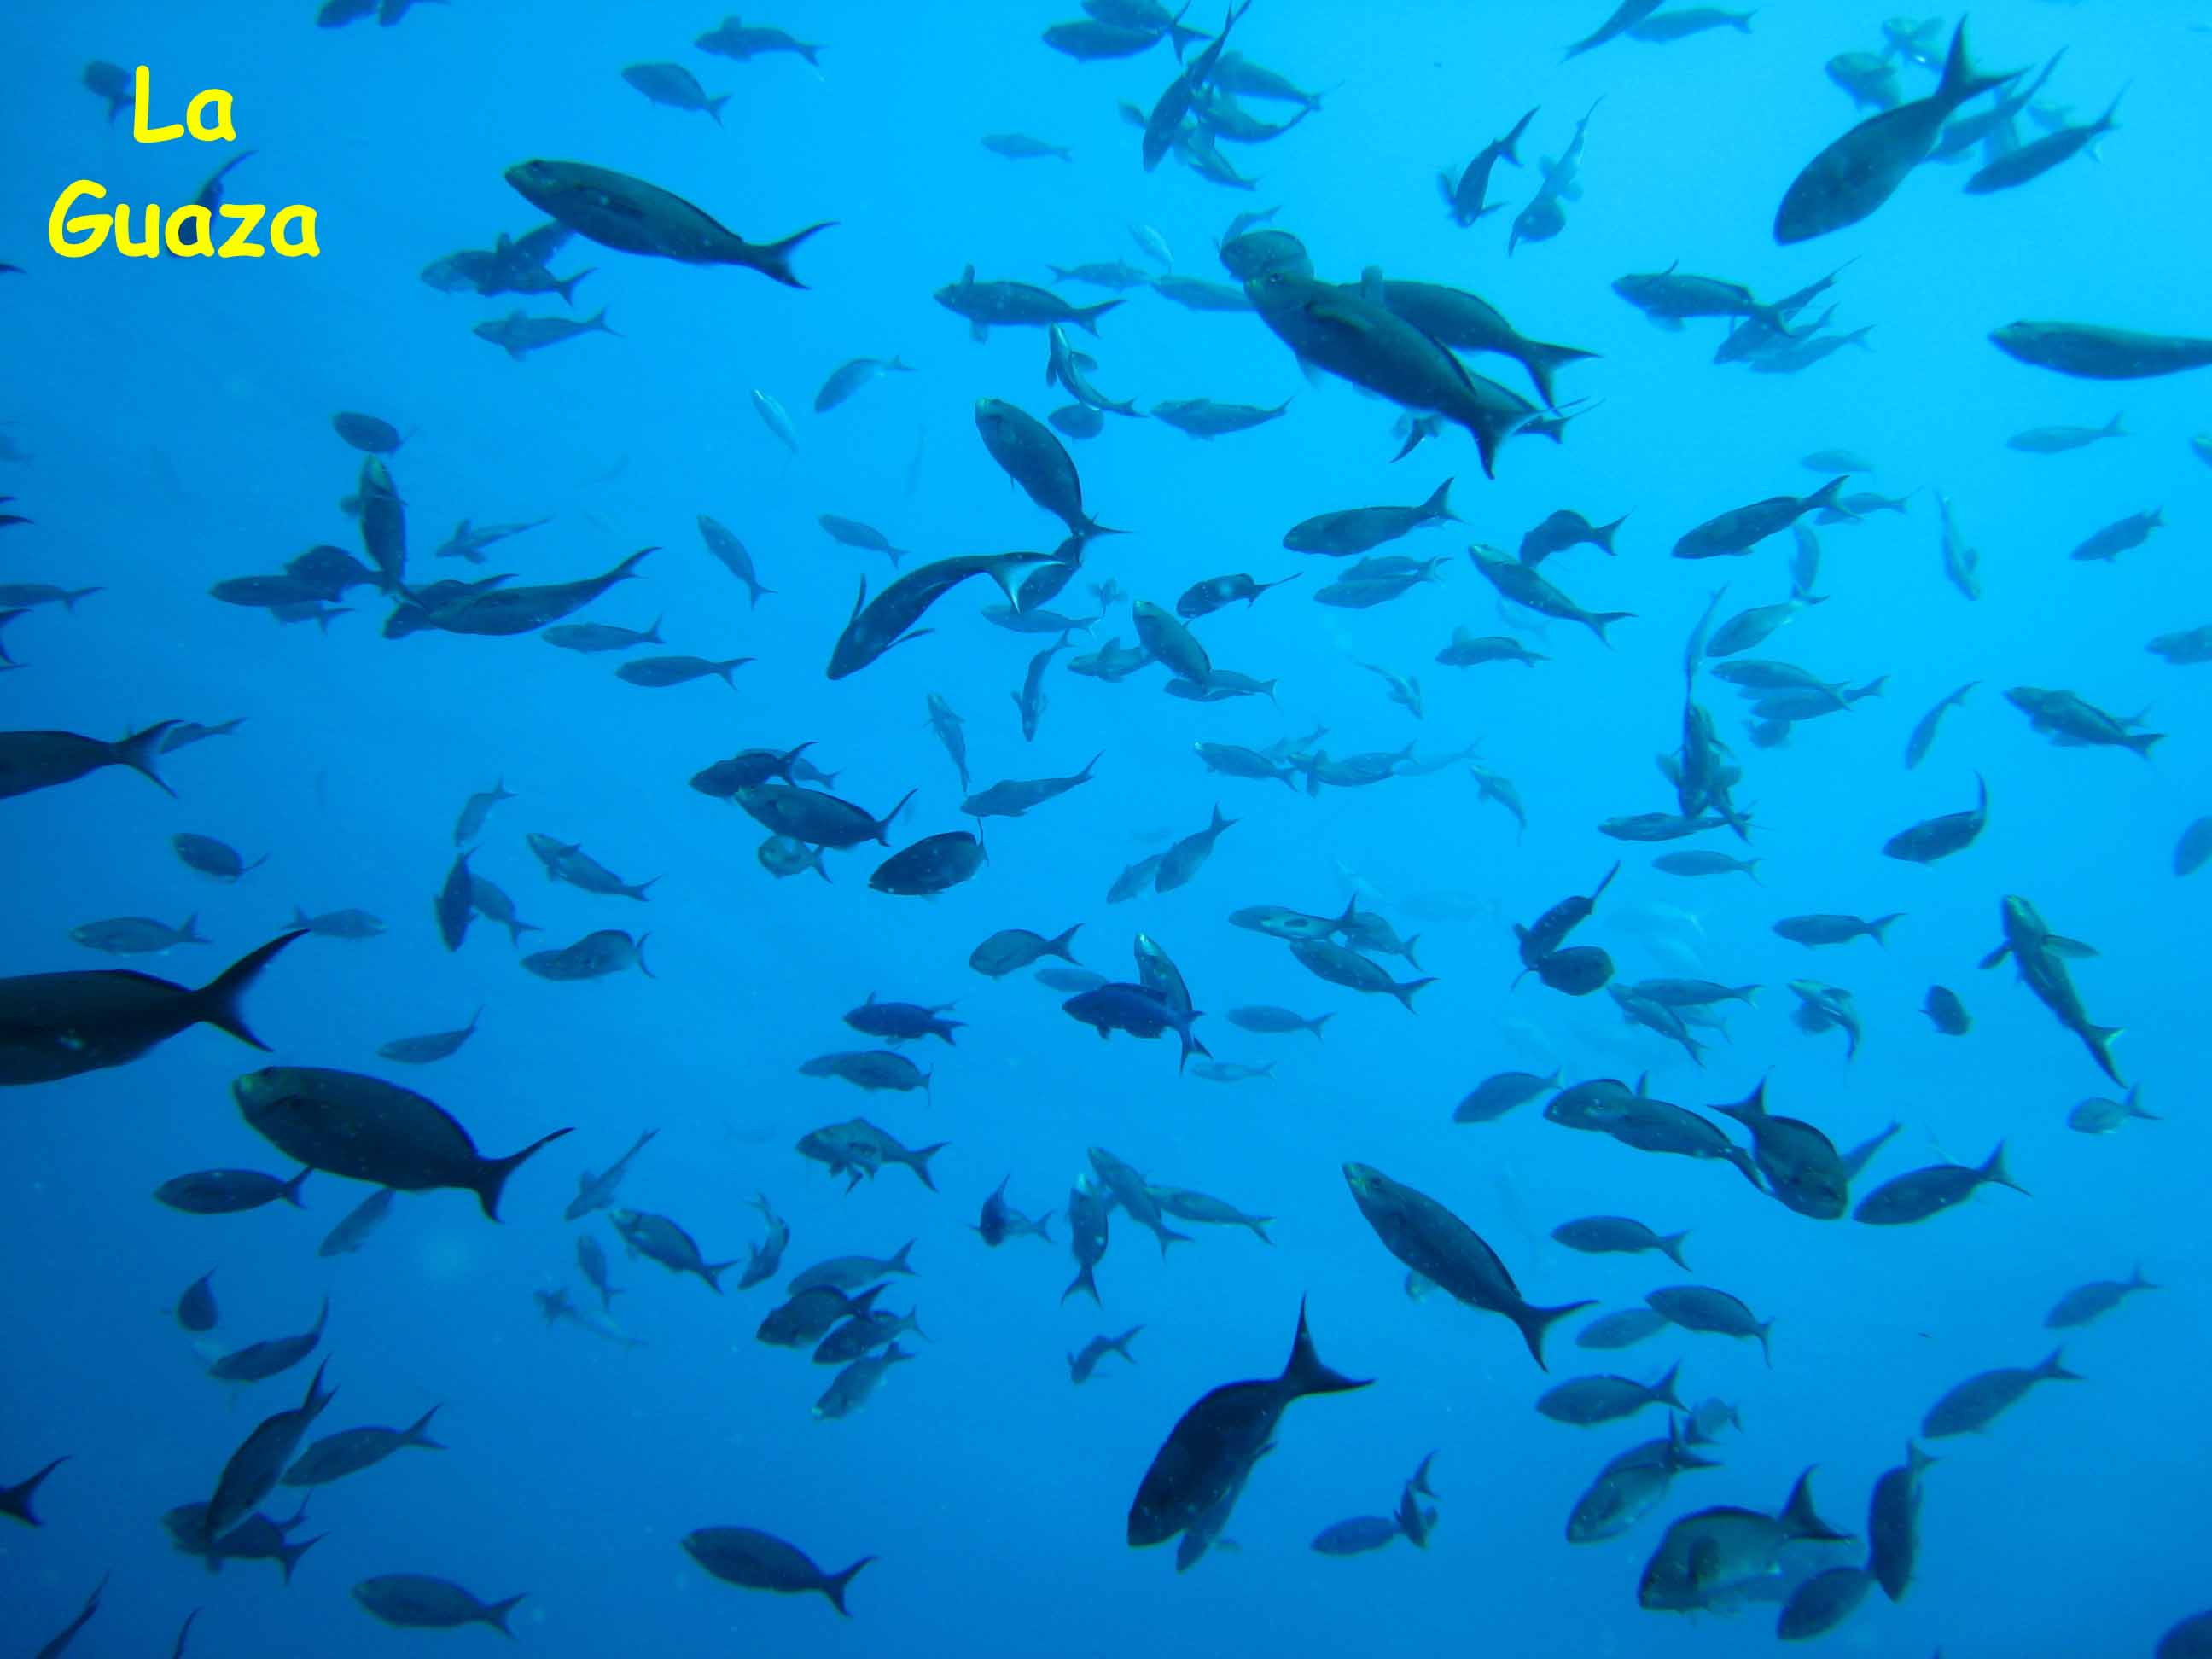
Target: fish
column 1856, row 174
column 2092, row 351
column 758, row 1561
column 732, row 38
column 659, row 1239
column 676, row 87
column 1082, row 1365
column 774, row 416
column 42, row 760
column 2032, row 160
column 1924, row 1193
column 519, row 335
column 2057, row 440
column 1978, row 1402
column 431, row 1047
column 847, row 378
column 1209, row 1453
column 2085, row 1303
column 632, row 217
column 1362, row 529
column 1440, row 1247
column 1711, row 1556
column 2040, row 957
column 1007, row 304
column 1466, row 198
column 1701, row 1308
column 1359, row 334
column 413, row 1601
column 1521, row 584
column 365, row 1129
column 61, row 1025
column 597, row 1192
column 1893, row 1523
column 352, row 1451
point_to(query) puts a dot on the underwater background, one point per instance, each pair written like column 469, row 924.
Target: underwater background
column 169, row 427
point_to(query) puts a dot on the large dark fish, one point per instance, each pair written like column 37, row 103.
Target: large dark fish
column 1213, row 1446
column 1444, row 1250
column 504, row 612
column 1358, row 336
column 1860, row 171
column 367, row 1129
column 261, row 1458
column 626, row 214
column 1166, row 118
column 888, row 619
column 39, row 760
column 1038, row 462
column 816, row 818
column 59, row 1025
column 2090, row 352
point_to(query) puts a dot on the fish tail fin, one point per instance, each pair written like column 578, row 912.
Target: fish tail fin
column 1083, row 1281
column 495, row 1614
column 1670, row 1245
column 140, row 749
column 711, row 1272
column 1411, row 940
column 1961, row 81
column 1086, row 316
column 1405, row 993
column 1799, row 1519
column 883, row 827
column 1535, row 1322
column 1880, row 926
column 1315, row 1024
column 1601, row 620
column 835, row 1585
column 714, row 106
column 919, row 1163
column 773, row 259
column 1059, row 946
column 1438, row 506
column 1993, row 1171
column 567, row 290
column 1306, row 1373
column 492, row 1174
column 1543, row 360
column 2053, row 1369
column 417, row 1432
column 15, row 1500
column 287, row 1555
column 290, row 1190
column 2099, row 1039
column 217, row 1000
column 1509, row 147
column 1663, row 1389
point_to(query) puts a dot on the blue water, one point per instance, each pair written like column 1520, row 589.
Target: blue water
column 176, row 417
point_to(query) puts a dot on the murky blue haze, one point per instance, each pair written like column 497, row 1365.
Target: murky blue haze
column 176, row 418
